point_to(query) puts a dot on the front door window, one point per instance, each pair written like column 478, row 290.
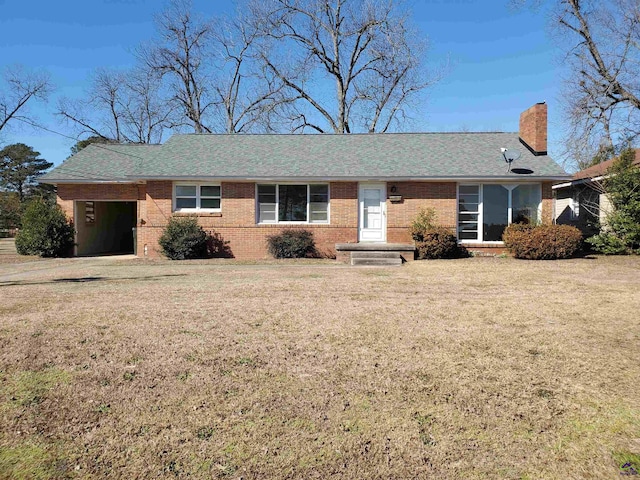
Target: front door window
column 372, row 208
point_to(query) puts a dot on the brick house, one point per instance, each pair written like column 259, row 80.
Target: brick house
column 346, row 189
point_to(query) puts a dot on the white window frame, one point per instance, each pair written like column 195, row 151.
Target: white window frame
column 308, row 221
column 199, row 197
column 510, row 187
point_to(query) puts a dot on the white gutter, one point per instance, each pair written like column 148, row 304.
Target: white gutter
column 580, row 181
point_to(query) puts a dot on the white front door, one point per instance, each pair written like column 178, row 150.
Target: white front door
column 372, row 199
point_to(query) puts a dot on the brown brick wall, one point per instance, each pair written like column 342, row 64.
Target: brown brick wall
column 237, row 206
column 249, row 242
column 440, row 196
column 236, row 221
column 68, row 193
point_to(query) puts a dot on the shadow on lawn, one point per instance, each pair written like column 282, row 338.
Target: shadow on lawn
column 88, row 280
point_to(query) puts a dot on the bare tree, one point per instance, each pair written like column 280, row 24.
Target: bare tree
column 122, row 106
column 20, row 88
column 602, row 89
column 264, row 70
column 180, row 60
column 366, row 48
column 147, row 113
column 248, row 96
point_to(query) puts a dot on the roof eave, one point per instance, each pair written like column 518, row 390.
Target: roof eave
column 59, row 181
column 578, row 181
column 368, row 178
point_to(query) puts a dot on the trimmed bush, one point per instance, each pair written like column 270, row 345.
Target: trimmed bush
column 292, row 244
column 45, row 231
column 184, row 239
column 439, row 242
column 542, row 242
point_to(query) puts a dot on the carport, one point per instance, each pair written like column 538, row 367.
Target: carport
column 105, row 227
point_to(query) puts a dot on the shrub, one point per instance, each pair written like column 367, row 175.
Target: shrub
column 439, row 242
column 292, row 244
column 432, row 241
column 183, row 239
column 423, row 222
column 45, row 231
column 608, row 244
column 542, row 242
column 621, row 233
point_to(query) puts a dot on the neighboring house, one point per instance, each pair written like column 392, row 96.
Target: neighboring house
column 583, row 202
column 355, row 188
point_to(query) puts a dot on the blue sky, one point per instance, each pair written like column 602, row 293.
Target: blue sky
column 501, row 61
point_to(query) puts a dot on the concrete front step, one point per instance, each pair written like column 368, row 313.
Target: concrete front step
column 367, row 247
column 376, row 258
column 352, row 253
column 377, row 261
column 375, row 255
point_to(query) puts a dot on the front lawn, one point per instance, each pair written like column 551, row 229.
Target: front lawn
column 473, row 368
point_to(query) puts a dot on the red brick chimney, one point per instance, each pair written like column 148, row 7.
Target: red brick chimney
column 533, row 128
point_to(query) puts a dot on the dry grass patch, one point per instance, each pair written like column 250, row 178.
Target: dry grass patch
column 8, row 253
column 475, row 368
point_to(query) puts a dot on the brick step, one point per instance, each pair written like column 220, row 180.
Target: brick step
column 377, row 261
column 375, row 254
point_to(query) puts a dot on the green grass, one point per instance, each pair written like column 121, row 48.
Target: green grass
column 26, row 388
column 629, row 463
column 21, row 394
column 28, row 461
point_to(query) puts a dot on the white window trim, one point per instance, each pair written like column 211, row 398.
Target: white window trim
column 198, row 185
column 308, row 185
column 510, row 187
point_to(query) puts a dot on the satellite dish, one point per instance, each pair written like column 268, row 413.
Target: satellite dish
column 510, row 156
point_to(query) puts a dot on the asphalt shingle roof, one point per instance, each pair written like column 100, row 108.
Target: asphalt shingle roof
column 601, row 168
column 354, row 156
column 100, row 163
